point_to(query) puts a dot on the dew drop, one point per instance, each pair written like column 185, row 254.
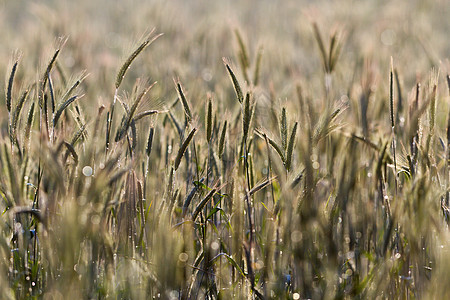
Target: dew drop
column 183, row 257
column 87, row 171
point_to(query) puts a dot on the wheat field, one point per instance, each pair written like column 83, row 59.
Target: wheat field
column 224, row 149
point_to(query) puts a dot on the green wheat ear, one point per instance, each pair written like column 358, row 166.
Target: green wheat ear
column 290, row 148
column 129, row 117
column 283, row 129
column 243, row 55
column 183, row 148
column 126, row 65
column 202, row 203
column 9, row 88
column 222, row 139
column 61, row 109
column 247, row 114
column 151, row 133
column 321, row 45
column 209, row 120
column 28, row 127
column 16, row 114
column 49, row 68
column 182, row 97
column 256, row 75
column 237, row 87
column 278, row 149
column 391, row 93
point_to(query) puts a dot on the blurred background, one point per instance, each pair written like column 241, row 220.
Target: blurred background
column 197, row 34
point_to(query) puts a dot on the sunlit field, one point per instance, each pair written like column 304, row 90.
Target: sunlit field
column 224, row 149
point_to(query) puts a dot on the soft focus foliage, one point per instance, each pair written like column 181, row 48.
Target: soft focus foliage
column 256, row 149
